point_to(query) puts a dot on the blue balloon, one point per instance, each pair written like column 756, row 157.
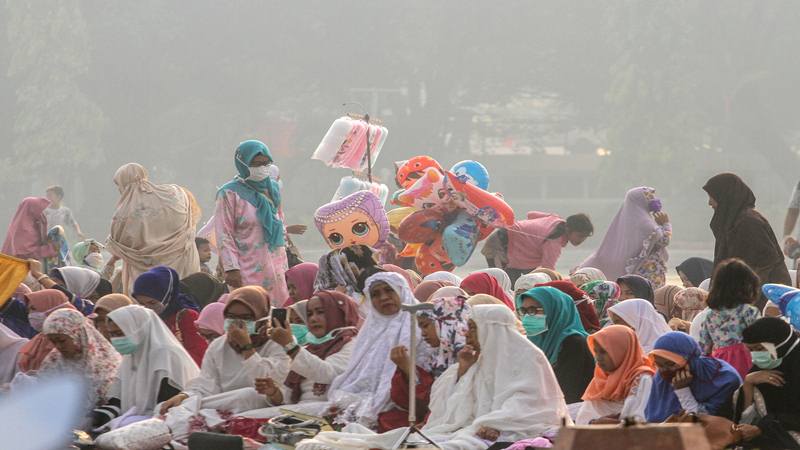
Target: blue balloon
column 460, row 238
column 472, row 172
column 788, row 300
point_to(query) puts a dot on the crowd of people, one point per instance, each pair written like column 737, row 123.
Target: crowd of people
column 504, row 358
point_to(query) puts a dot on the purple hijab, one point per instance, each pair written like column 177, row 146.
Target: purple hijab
column 625, row 237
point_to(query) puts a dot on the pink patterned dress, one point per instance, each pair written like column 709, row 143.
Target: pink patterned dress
column 242, row 247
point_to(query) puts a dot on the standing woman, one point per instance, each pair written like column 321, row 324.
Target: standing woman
column 248, row 224
column 636, row 241
column 742, row 232
column 27, row 233
column 154, row 225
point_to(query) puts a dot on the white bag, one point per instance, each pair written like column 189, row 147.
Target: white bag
column 150, row 434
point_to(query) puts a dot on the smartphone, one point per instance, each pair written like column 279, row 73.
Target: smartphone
column 279, row 315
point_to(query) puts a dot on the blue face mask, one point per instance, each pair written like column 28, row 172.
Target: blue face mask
column 249, row 324
column 534, row 324
column 124, row 345
column 300, row 332
column 764, row 360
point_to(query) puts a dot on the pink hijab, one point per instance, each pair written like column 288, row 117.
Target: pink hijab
column 211, row 318
column 302, row 276
column 27, row 233
column 627, row 233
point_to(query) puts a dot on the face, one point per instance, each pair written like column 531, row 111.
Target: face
column 577, row 238
column 666, row 368
column 237, row 310
column 204, row 251
column 617, row 320
column 355, row 229
column 53, row 197
column 755, row 347
column 429, row 333
column 150, row 303
column 712, row 203
column 207, row 334
column 100, row 322
column 113, row 329
column 472, row 335
column 625, row 292
column 685, row 281
column 260, row 160
column 529, row 306
column 384, row 299
column 94, row 248
column 294, row 317
column 603, row 359
column 317, row 325
column 69, row 349
column 292, row 289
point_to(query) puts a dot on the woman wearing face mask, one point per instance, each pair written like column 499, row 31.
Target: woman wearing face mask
column 104, row 306
column 444, row 328
column 82, row 351
column 588, row 314
column 249, row 227
column 159, row 289
column 154, row 368
column 622, row 379
column 233, row 362
column 551, row 321
column 688, row 381
column 87, row 254
column 153, row 224
column 769, row 397
column 40, row 305
column 332, row 320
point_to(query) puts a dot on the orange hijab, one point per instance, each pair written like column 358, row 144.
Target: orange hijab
column 622, row 345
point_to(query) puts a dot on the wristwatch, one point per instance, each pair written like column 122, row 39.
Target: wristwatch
column 290, row 346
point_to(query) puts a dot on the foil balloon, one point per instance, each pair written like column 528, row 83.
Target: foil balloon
column 408, row 172
column 472, row 172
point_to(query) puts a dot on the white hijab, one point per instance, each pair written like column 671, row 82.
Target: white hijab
column 530, row 280
column 159, row 355
column 363, row 389
column 80, row 280
column 645, row 320
column 521, row 399
column 10, row 344
column 444, row 276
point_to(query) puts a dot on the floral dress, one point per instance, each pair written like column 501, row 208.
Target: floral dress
column 243, row 247
column 721, row 335
column 651, row 263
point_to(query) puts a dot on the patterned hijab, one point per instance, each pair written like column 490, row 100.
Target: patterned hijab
column 98, row 361
column 450, row 316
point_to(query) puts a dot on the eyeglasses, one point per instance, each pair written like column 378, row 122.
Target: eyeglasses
column 532, row 311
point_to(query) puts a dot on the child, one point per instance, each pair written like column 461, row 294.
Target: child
column 58, row 214
column 734, row 287
column 204, row 252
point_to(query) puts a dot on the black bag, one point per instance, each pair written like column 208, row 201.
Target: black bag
column 215, row 441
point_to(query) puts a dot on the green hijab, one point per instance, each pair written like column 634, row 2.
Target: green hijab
column 562, row 319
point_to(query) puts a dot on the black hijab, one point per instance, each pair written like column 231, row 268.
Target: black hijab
column 640, row 286
column 696, row 270
column 733, row 197
column 776, row 331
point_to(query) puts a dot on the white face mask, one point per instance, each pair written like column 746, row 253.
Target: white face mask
column 259, row 173
column 94, row 259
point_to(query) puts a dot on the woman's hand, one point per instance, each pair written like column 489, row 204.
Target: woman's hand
column 280, row 335
column 661, row 218
column 679, row 325
column 466, row 359
column 238, row 337
column 489, row 434
column 773, row 377
column 268, row 387
column 400, row 358
column 682, row 379
column 35, row 267
column 174, row 401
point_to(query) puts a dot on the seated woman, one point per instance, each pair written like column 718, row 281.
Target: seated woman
column 332, row 318
column 364, row 389
column 635, row 286
column 14, row 313
column 691, row 302
column 155, row 367
column 586, row 275
column 82, row 351
column 622, row 379
column 551, row 322
column 444, row 328
column 529, row 281
column 425, row 290
column 159, row 289
column 483, row 283
column 642, row 317
column 481, row 400
column 203, row 288
column 769, row 397
column 688, row 381
column 235, row 360
column 588, row 314
column 40, row 304
column 211, row 322
column 664, row 301
column 694, row 270
column 605, row 294
column 84, row 283
column 300, row 282
column 104, row 306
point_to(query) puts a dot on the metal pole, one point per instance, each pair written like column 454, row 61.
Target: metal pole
column 412, row 375
column 369, row 151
